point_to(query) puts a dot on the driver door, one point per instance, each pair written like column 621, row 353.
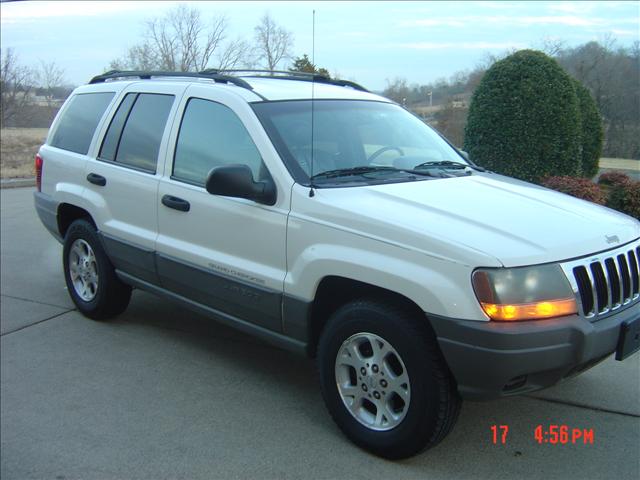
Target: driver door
column 225, row 253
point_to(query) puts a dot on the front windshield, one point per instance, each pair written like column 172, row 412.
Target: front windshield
column 367, row 136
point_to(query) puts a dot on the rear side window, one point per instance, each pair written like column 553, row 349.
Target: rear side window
column 79, row 121
column 211, row 135
column 135, row 132
column 112, row 138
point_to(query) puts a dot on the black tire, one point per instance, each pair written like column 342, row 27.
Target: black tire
column 111, row 295
column 434, row 401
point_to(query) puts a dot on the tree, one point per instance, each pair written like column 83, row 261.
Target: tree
column 303, row 64
column 592, row 133
column 273, row 43
column 524, row 119
column 398, row 90
column 50, row 80
column 612, row 75
column 181, row 41
column 16, row 83
column 450, row 121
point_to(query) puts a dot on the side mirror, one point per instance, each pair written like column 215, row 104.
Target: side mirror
column 237, row 181
column 464, row 154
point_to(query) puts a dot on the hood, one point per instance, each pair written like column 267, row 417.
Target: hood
column 479, row 219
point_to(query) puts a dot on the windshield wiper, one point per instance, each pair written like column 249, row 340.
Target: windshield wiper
column 364, row 169
column 448, row 164
column 444, row 163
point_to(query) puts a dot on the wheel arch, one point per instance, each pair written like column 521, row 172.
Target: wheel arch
column 335, row 291
column 69, row 213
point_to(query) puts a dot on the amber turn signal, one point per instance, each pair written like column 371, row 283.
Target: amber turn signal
column 531, row 311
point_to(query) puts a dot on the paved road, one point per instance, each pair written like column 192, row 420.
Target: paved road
column 163, row 393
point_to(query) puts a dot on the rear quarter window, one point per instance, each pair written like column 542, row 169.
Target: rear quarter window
column 79, row 121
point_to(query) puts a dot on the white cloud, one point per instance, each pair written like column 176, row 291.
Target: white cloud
column 462, row 45
column 433, row 22
column 494, row 5
column 570, row 7
column 626, row 33
column 14, row 12
column 354, row 34
column 569, row 20
column 509, row 20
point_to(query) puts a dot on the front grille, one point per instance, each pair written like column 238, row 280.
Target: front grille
column 605, row 282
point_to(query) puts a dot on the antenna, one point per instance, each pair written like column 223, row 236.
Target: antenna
column 313, row 84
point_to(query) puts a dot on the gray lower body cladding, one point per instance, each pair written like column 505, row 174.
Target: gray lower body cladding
column 496, row 359
column 47, row 210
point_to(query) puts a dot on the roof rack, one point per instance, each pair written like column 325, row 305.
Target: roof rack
column 220, row 76
column 146, row 75
column 289, row 75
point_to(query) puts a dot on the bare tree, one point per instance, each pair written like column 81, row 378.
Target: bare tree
column 183, row 41
column 398, row 90
column 273, row 42
column 552, row 46
column 16, row 83
column 612, row 74
column 50, row 78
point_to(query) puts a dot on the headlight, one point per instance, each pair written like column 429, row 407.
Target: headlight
column 525, row 293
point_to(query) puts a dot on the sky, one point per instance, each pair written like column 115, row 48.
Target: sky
column 368, row 42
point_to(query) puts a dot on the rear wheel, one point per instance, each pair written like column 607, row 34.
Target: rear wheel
column 384, row 380
column 91, row 279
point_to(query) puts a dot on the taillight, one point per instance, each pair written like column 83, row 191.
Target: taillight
column 38, row 164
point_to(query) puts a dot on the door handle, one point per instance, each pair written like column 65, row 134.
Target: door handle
column 176, row 203
column 97, row 179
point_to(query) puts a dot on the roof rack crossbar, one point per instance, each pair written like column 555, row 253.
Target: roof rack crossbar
column 251, row 70
column 289, row 75
column 146, row 75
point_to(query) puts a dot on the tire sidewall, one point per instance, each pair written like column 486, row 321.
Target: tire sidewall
column 81, row 229
column 421, row 416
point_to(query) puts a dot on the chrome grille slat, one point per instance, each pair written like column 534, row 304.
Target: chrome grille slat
column 611, row 302
column 601, row 284
column 625, row 279
column 605, row 282
column 635, row 274
column 594, row 292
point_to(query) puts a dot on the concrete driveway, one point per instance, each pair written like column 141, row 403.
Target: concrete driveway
column 163, row 393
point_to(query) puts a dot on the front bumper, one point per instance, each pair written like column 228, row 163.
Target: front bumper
column 496, row 359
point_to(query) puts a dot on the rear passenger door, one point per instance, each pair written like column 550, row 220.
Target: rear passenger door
column 226, row 253
column 122, row 180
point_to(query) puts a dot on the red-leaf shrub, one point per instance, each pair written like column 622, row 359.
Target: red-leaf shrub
column 578, row 187
column 613, row 178
column 625, row 197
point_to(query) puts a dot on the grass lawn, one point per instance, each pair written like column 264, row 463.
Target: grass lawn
column 18, row 147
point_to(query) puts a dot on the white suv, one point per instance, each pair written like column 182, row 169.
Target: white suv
column 332, row 222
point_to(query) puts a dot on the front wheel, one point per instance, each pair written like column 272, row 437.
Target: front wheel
column 384, row 380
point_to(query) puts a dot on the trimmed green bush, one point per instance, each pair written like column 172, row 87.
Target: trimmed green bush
column 524, row 119
column 592, row 133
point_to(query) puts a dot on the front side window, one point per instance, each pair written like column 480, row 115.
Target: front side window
column 79, row 121
column 368, row 141
column 136, row 130
column 212, row 135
